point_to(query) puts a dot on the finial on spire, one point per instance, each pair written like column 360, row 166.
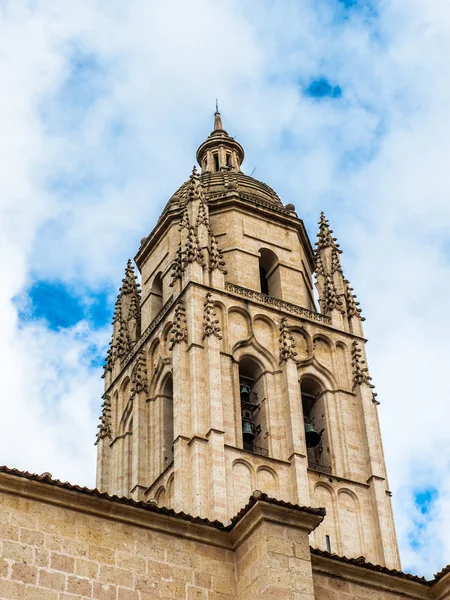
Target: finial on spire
column 217, row 119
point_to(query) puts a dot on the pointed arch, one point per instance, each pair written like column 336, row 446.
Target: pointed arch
column 166, row 396
column 257, row 351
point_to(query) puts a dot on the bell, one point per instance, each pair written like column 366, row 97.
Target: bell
column 247, row 429
column 312, row 436
column 245, row 391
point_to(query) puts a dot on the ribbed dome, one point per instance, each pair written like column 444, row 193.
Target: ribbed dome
column 219, row 184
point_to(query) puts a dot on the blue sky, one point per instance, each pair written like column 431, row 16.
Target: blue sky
column 341, row 106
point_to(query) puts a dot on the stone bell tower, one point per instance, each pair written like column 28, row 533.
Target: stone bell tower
column 222, row 377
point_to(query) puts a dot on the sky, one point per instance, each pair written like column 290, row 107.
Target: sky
column 341, row 106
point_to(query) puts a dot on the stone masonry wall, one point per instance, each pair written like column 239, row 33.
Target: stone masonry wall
column 59, row 542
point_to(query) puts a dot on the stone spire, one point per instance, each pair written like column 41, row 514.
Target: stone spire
column 220, row 152
column 335, row 293
column 218, row 119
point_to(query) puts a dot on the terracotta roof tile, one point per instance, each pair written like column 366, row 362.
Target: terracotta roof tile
column 361, row 562
column 149, row 506
column 442, row 573
column 261, row 496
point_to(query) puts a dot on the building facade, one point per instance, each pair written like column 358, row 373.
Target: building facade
column 219, row 367
column 239, row 451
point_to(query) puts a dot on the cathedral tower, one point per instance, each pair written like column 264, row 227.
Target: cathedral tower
column 222, row 378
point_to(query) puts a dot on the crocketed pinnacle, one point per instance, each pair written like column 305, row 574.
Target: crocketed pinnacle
column 325, row 238
column 129, row 282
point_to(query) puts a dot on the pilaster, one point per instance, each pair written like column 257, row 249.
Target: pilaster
column 272, row 552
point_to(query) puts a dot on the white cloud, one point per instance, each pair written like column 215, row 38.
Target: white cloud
column 375, row 161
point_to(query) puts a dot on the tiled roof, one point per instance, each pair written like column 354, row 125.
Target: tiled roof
column 149, row 506
column 361, row 562
column 442, row 573
column 261, row 496
column 152, row 506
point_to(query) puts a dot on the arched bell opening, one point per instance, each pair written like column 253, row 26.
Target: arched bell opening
column 156, row 301
column 253, row 406
column 269, row 273
column 315, row 423
column 167, row 422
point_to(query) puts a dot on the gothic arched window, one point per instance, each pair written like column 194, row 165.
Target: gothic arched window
column 156, row 295
column 269, row 273
column 315, row 422
column 167, row 422
column 253, row 406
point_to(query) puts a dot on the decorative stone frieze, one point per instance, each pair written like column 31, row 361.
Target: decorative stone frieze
column 179, row 328
column 209, row 321
column 287, row 344
column 280, row 304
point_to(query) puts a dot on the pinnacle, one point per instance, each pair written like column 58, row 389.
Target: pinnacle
column 218, row 126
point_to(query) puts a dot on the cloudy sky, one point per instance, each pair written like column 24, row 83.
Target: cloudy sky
column 341, row 105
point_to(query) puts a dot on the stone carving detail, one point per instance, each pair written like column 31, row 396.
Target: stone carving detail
column 178, row 266
column 319, row 266
column 148, row 332
column 126, row 318
column 104, row 427
column 184, row 223
column 279, row 304
column 353, row 309
column 335, row 262
column 202, row 216
column 122, row 342
column 325, row 238
column 215, row 256
column 193, row 252
column 287, row 344
column 360, row 371
column 330, row 299
column 139, row 381
column 179, row 328
column 209, row 321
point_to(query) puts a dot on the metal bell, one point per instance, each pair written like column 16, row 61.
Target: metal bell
column 313, row 437
column 245, row 390
column 247, row 429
